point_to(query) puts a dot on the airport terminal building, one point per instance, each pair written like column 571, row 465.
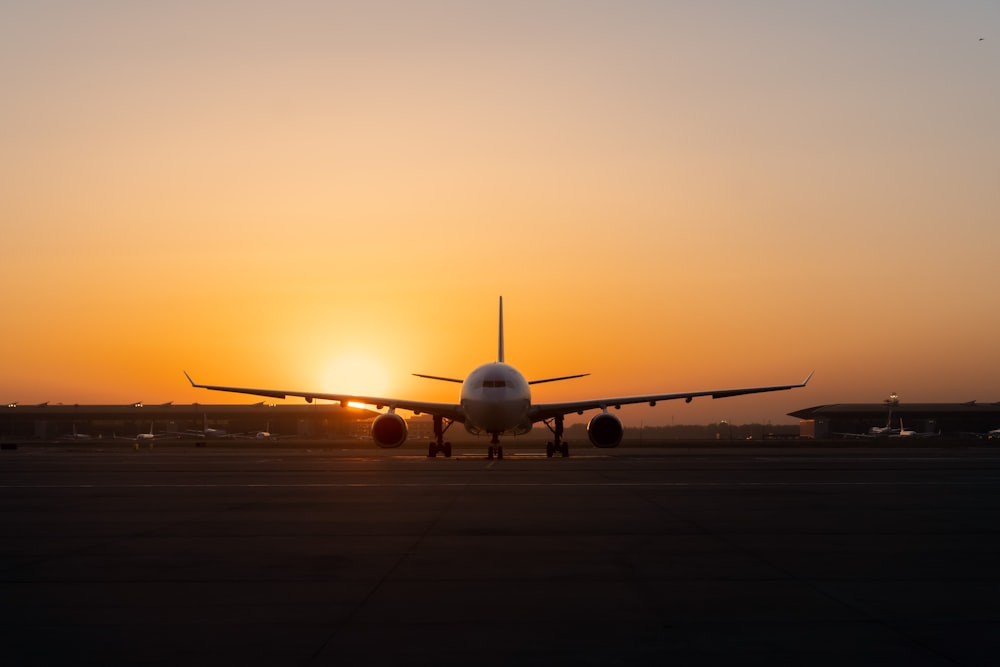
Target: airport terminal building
column 83, row 422
column 61, row 422
column 971, row 420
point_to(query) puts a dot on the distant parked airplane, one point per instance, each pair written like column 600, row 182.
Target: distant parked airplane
column 204, row 432
column 907, row 433
column 75, row 435
column 495, row 400
column 260, row 435
column 877, row 431
column 149, row 436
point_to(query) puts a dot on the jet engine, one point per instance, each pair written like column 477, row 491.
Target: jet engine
column 605, row 430
column 389, row 430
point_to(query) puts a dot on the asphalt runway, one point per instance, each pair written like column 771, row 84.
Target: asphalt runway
column 295, row 556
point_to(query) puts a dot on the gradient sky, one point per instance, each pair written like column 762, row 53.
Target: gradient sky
column 669, row 195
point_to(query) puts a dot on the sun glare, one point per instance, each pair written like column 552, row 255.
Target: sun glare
column 356, row 374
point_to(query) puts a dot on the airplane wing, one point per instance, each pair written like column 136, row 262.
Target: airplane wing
column 450, row 411
column 543, row 411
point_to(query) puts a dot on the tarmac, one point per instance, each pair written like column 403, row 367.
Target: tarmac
column 256, row 555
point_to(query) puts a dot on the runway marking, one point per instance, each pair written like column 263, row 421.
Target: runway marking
column 360, row 485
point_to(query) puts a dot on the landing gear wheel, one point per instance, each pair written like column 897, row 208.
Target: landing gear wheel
column 495, row 447
column 489, row 454
column 439, row 445
column 556, row 426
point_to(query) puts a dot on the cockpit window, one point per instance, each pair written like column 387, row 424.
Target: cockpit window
column 494, row 383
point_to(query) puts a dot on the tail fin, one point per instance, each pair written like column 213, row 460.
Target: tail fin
column 500, row 344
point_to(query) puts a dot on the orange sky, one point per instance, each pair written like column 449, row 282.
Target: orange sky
column 669, row 197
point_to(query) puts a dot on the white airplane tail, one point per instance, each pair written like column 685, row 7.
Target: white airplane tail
column 500, row 359
column 500, row 343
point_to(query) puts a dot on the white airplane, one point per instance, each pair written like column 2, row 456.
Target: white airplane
column 75, row 435
column 260, row 435
column 886, row 431
column 877, row 431
column 904, row 432
column 204, row 432
column 910, row 433
column 149, row 436
column 495, row 400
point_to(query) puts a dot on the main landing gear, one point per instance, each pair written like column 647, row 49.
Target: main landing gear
column 439, row 445
column 495, row 447
column 558, row 445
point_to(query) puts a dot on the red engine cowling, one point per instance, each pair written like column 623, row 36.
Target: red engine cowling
column 389, row 431
column 605, row 430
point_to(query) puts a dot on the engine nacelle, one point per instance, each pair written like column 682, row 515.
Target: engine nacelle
column 605, row 430
column 389, row 430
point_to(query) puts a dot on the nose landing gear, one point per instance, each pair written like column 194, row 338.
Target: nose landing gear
column 495, row 447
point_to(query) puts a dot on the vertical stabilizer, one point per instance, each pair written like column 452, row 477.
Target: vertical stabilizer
column 500, row 344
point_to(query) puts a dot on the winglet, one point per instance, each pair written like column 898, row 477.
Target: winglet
column 189, row 379
column 806, row 381
column 500, row 344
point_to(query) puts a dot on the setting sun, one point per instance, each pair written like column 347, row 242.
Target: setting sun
column 356, row 373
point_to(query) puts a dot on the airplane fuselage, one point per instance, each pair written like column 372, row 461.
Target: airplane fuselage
column 496, row 399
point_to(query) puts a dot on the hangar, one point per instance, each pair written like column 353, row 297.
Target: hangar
column 971, row 419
